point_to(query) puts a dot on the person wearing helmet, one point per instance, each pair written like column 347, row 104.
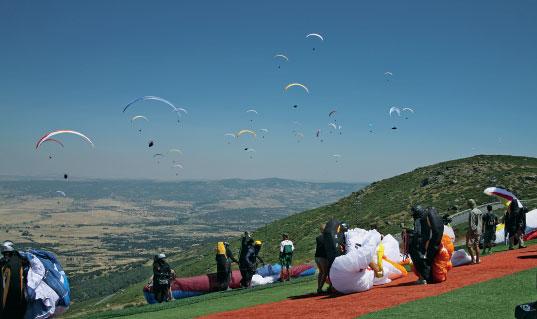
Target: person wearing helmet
column 12, row 265
column 162, row 275
column 224, row 257
column 248, row 263
column 286, row 256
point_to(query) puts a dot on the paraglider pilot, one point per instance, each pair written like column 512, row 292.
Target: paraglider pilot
column 224, row 257
column 248, row 263
column 12, row 265
column 162, row 276
column 425, row 241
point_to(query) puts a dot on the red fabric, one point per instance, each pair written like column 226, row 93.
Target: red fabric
column 531, row 235
column 295, row 271
column 204, row 283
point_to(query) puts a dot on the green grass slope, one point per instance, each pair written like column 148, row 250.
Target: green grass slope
column 237, row 299
column 383, row 205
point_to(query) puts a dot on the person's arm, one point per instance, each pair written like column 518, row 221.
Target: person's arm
column 229, row 253
column 261, row 260
column 292, row 247
column 430, row 235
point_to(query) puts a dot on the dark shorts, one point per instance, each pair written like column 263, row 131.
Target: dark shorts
column 489, row 237
column 472, row 239
column 285, row 260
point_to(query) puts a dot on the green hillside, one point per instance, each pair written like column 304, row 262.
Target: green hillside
column 383, row 205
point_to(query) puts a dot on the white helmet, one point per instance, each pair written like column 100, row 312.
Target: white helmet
column 161, row 256
column 7, row 246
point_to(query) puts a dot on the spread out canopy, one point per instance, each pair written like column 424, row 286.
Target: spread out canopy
column 242, row 132
column 408, row 109
column 290, row 85
column 252, row 111
column 61, row 193
column 396, row 110
column 282, row 56
column 231, row 134
column 54, row 133
column 154, row 98
column 317, row 35
column 388, row 73
column 175, row 150
column 139, row 117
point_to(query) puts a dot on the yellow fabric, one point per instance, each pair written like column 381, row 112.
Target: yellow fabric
column 380, row 254
column 220, row 248
column 257, row 243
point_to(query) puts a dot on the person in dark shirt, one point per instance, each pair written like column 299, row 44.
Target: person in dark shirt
column 224, row 257
column 489, row 229
column 248, row 263
column 12, row 299
column 321, row 260
column 162, row 275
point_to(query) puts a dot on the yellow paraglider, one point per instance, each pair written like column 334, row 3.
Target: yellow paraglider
column 290, row 85
column 241, row 132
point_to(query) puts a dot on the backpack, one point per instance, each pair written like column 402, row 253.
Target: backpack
column 287, row 249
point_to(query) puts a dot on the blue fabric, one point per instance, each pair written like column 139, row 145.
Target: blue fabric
column 308, row 272
column 269, row 270
column 53, row 278
column 177, row 294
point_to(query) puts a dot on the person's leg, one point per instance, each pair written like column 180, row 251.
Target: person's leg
column 476, row 247
column 521, row 239
column 511, row 241
column 469, row 246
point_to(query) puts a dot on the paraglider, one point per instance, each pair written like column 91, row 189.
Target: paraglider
column 388, row 73
column 151, row 143
column 264, row 130
column 317, row 35
column 394, row 127
column 53, row 133
column 252, row 111
column 408, row 109
column 250, row 150
column 295, row 106
column 502, row 193
column 396, row 110
column 65, row 176
column 158, row 155
column 290, row 85
column 242, row 132
column 150, row 97
column 178, row 166
column 299, row 136
column 230, row 135
column 139, row 117
column 282, row 56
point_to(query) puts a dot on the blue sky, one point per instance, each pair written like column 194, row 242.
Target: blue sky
column 468, row 69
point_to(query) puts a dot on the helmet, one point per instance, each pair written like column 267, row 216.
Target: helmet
column 344, row 227
column 258, row 243
column 7, row 247
column 161, row 256
column 226, row 244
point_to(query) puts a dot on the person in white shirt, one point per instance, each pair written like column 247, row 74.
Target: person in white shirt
column 286, row 256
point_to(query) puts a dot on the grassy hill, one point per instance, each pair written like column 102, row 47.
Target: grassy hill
column 383, row 205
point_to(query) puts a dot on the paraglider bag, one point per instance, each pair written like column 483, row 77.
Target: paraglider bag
column 526, row 311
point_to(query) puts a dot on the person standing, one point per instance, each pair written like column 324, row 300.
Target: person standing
column 286, row 255
column 489, row 229
column 425, row 241
column 13, row 277
column 519, row 212
column 224, row 257
column 321, row 261
column 248, row 263
column 162, row 275
column 475, row 229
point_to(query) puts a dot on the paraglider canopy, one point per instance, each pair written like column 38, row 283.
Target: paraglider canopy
column 290, row 85
column 53, row 133
column 150, row 97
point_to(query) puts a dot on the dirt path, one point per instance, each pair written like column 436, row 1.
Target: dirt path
column 393, row 294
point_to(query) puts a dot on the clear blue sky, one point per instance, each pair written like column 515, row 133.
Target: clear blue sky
column 468, row 68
